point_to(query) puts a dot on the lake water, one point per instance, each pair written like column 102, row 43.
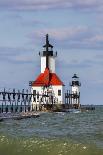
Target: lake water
column 54, row 134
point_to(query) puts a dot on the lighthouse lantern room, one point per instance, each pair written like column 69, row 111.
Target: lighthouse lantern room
column 47, row 88
column 75, row 84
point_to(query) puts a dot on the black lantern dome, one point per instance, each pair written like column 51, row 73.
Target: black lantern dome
column 75, row 81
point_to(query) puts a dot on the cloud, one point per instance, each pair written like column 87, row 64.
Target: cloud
column 62, row 33
column 17, row 66
column 96, row 38
column 48, row 4
column 17, row 55
column 78, row 37
column 75, row 64
column 99, row 57
column 35, row 22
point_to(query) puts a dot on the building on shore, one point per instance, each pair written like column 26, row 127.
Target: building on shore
column 47, row 87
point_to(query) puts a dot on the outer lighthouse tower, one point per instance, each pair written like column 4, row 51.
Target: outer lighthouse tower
column 75, row 91
column 48, row 89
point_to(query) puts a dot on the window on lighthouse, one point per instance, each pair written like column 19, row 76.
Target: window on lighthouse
column 34, row 92
column 59, row 92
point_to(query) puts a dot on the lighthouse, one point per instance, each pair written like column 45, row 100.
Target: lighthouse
column 47, row 88
column 48, row 57
column 75, row 91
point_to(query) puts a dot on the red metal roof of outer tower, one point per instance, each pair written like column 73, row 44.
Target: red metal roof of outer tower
column 46, row 79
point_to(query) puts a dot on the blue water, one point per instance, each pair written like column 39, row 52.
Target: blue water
column 54, row 134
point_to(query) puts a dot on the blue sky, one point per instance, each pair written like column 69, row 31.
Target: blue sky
column 75, row 28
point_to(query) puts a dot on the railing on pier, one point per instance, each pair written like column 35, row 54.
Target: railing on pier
column 73, row 99
column 15, row 101
column 20, row 101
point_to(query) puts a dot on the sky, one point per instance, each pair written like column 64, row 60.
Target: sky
column 75, row 29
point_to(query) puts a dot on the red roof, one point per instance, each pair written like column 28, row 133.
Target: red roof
column 46, row 79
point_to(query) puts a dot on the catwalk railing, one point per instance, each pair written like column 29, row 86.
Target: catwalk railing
column 15, row 101
column 73, row 99
column 20, row 101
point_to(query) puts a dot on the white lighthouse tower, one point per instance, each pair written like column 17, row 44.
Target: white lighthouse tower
column 48, row 57
column 47, row 89
column 75, row 91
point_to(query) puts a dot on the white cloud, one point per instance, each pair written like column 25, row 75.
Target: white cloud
column 47, row 4
column 72, row 37
column 96, row 38
column 61, row 33
column 16, row 55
